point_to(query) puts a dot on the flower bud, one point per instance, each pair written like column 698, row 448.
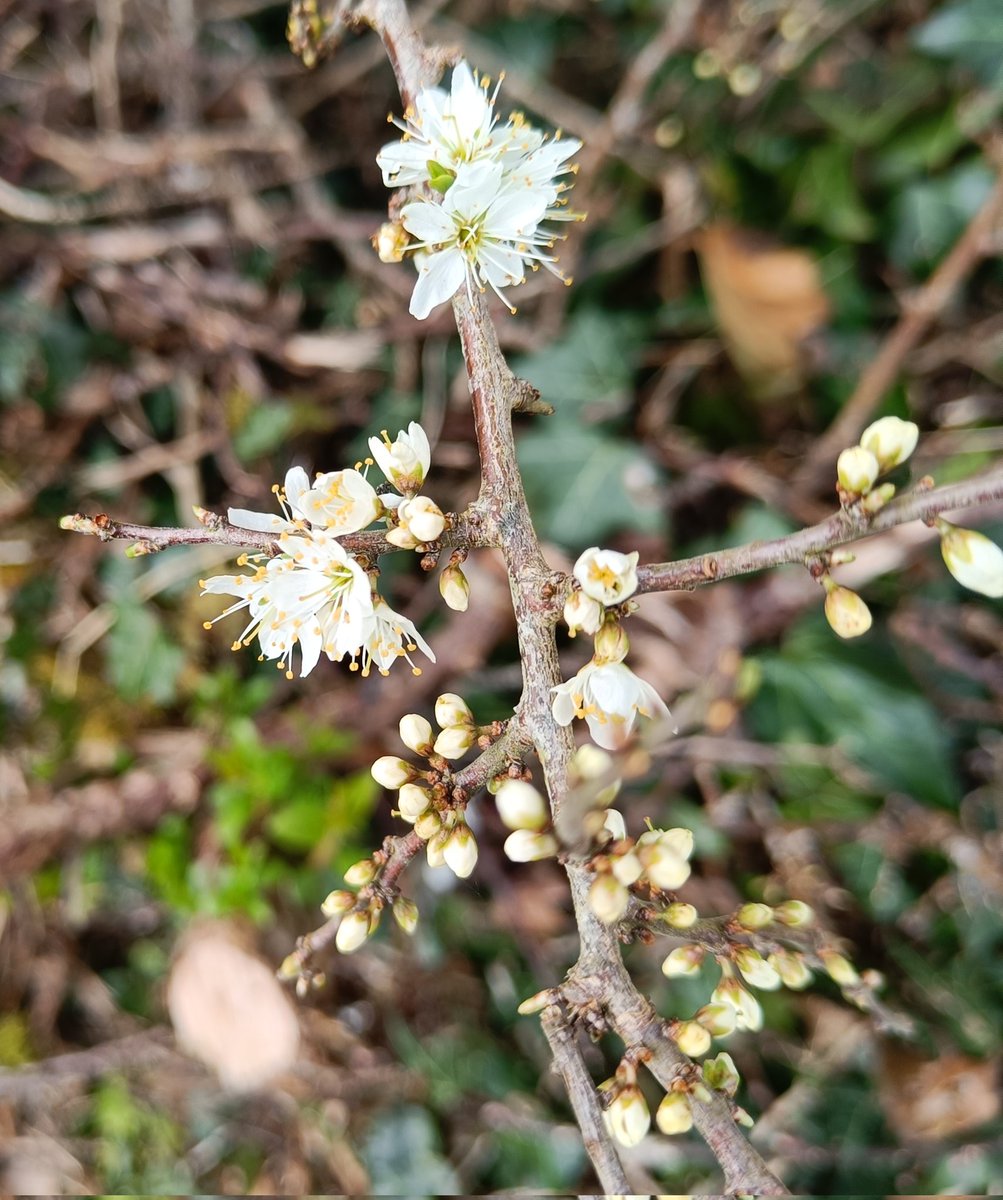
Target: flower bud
column 460, row 851
column 848, row 615
column 663, row 867
column 679, row 841
column 390, row 241
column 454, row 742
column 857, row 470
column 614, row 824
column 627, row 1117
column 839, row 969
column 794, row 913
column 392, row 772
column 626, row 868
column 611, row 643
column 435, row 847
column 680, row 915
column 427, row 825
column 536, row 1003
column 684, row 960
column 606, row 575
column 451, row 710
column 337, row 902
column 748, row 1013
column 721, row 1074
column 692, row 1038
column 589, row 762
column 401, row 537
column 742, row 1117
column 974, row 561
column 423, row 518
column 412, row 801
column 454, row 588
column 416, row 734
column 754, row 916
column 352, row 932
column 406, row 914
column 581, row 612
column 526, row 845
column 521, row 806
column 361, row 873
column 718, row 1019
column 791, row 969
column 756, row 970
column 608, row 899
column 674, row 1114
column 891, row 440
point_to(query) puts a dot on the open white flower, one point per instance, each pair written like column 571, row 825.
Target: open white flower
column 310, row 594
column 481, row 235
column 296, row 486
column 340, row 501
column 404, row 461
column 444, row 128
column 386, row 637
column 606, row 575
column 609, row 697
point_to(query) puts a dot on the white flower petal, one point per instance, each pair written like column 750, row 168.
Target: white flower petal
column 429, row 222
column 438, row 280
column 244, row 518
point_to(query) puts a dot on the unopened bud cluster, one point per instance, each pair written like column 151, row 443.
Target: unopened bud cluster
column 423, row 794
column 524, row 810
column 654, row 863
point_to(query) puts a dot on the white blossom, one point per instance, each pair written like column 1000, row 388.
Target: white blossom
column 609, row 697
column 606, row 575
column 297, row 484
column 481, row 235
column 404, row 461
column 309, row 596
column 386, row 636
column 341, row 502
column 422, row 518
column 627, row 1117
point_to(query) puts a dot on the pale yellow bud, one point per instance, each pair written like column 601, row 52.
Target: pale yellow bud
column 412, row 801
column 627, row 868
column 526, row 845
column 718, row 1019
column 848, row 615
column 791, row 969
column 337, row 902
column 794, row 913
column 454, row 589
column 422, row 517
column 684, row 960
column 674, row 1114
column 451, row 710
column 663, row 867
column 416, row 734
column 589, row 762
column 840, row 969
column 536, row 1003
column 406, row 914
column 891, row 440
column 454, row 742
column 521, row 806
column 435, row 847
column 352, row 932
column 401, row 537
column 611, row 643
column 460, row 851
column 756, row 970
column 857, row 470
column 361, row 873
column 754, row 916
column 627, row 1117
column 692, row 1038
column 974, row 561
column 392, row 772
column 583, row 613
column 390, row 241
column 614, row 824
column 721, row 1074
column 680, row 915
column 608, row 899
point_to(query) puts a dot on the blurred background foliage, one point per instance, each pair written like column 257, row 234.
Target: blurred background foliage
column 189, row 304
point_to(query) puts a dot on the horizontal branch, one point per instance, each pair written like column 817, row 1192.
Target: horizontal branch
column 847, row 525
column 465, row 531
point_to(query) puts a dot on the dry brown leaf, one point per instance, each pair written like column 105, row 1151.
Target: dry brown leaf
column 229, row 1010
column 936, row 1099
column 768, row 300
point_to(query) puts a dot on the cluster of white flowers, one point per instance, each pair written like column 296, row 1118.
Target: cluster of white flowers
column 500, row 182
column 313, row 595
column 605, row 693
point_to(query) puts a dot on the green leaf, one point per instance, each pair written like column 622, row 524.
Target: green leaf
column 264, row 429
column 826, row 195
column 969, row 33
column 143, row 662
column 402, row 1154
column 298, row 826
column 583, row 484
column 928, row 217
